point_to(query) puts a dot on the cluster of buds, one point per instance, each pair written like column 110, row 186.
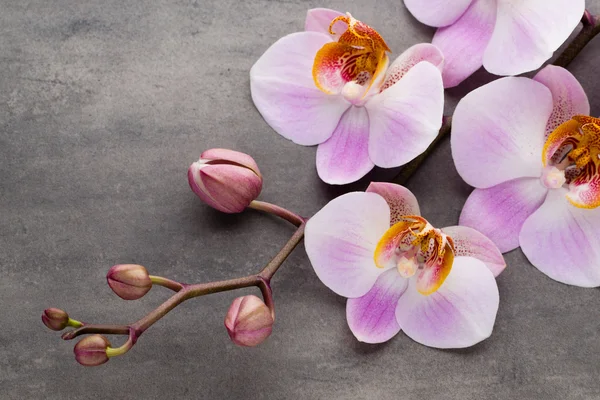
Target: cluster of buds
column 228, row 181
column 129, row 282
column 90, row 351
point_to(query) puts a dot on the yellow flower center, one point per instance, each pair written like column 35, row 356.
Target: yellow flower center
column 573, row 148
column 358, row 56
column 412, row 245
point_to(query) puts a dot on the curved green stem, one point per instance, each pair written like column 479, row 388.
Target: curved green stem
column 74, row 323
column 118, row 351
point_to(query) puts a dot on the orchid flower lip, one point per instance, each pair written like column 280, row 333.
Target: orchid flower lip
column 358, row 56
column 571, row 156
column 413, row 245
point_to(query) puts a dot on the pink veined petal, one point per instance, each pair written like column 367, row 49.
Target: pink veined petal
column 411, row 57
column 528, row 32
column 319, row 19
column 406, row 117
column 400, row 199
column 340, row 241
column 498, row 131
column 459, row 314
column 437, row 12
column 567, row 94
column 285, row 94
column 563, row 241
column 469, row 242
column 344, row 157
column 464, row 42
column 372, row 317
column 500, row 211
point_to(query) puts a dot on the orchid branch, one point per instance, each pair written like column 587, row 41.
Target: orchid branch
column 591, row 28
column 409, row 169
column 96, row 350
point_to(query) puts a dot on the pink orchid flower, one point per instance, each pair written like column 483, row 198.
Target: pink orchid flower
column 332, row 85
column 533, row 155
column 400, row 273
column 507, row 37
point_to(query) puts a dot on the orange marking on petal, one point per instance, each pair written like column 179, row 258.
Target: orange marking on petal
column 382, row 64
column 575, row 148
column 435, row 273
column 414, row 245
column 584, row 190
column 586, row 119
column 385, row 251
column 337, row 64
column 343, row 18
column 356, row 56
column 557, row 137
column 361, row 34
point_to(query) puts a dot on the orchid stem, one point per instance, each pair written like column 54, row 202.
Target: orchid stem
column 186, row 292
column 271, row 268
column 591, row 28
column 278, row 211
column 119, row 351
column 409, row 169
column 96, row 328
column 165, row 282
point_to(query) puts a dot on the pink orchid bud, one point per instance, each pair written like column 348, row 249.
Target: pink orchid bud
column 249, row 321
column 55, row 319
column 129, row 281
column 91, row 350
column 225, row 179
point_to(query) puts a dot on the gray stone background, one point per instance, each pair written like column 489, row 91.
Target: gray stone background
column 105, row 103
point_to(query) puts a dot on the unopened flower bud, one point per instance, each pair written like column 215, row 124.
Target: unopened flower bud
column 55, row 319
column 91, row 350
column 129, row 281
column 225, row 179
column 249, row 321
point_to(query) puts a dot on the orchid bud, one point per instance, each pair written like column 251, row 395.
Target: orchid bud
column 91, row 350
column 129, row 281
column 225, row 179
column 55, row 319
column 249, row 321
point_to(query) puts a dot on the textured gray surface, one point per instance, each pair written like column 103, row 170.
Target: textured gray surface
column 104, row 104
